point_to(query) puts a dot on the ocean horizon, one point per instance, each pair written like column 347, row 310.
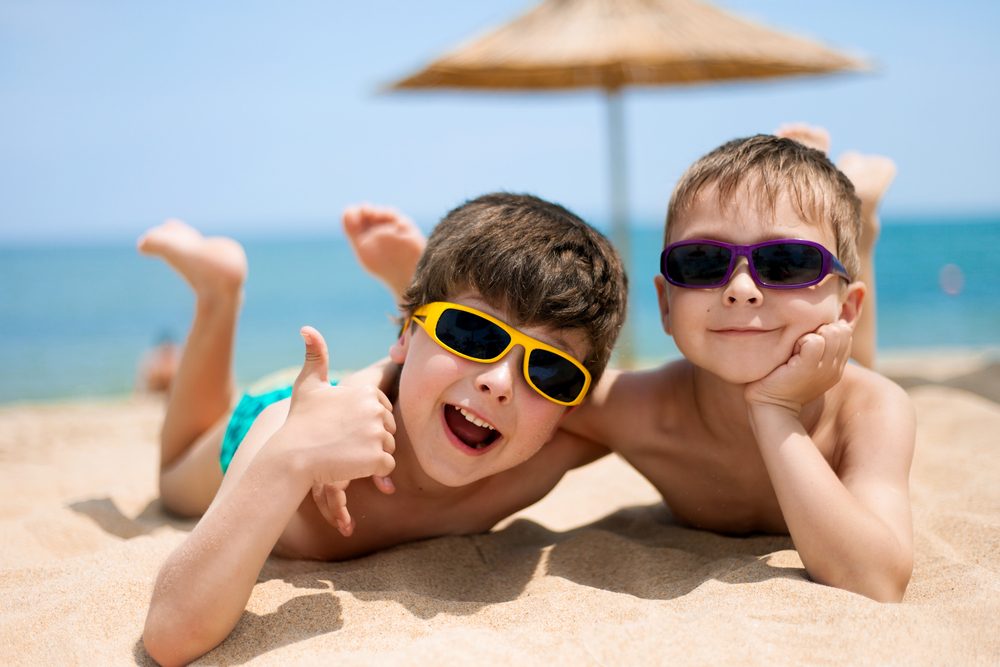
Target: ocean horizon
column 76, row 318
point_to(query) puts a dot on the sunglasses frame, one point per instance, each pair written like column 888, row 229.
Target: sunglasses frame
column 433, row 311
column 830, row 263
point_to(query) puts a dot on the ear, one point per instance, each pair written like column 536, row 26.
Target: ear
column 399, row 349
column 850, row 307
column 664, row 301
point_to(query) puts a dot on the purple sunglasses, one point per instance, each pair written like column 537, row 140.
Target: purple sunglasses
column 778, row 264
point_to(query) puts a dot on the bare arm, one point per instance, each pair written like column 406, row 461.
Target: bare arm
column 330, row 434
column 851, row 527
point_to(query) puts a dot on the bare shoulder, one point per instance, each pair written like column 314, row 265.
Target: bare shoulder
column 862, row 392
column 875, row 419
column 626, row 405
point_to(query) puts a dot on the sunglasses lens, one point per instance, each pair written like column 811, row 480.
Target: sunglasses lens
column 698, row 264
column 471, row 335
column 788, row 264
column 555, row 376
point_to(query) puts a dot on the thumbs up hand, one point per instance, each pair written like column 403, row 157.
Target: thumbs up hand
column 336, row 434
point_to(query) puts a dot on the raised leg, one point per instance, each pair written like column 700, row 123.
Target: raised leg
column 387, row 243
column 203, row 388
column 871, row 175
column 812, row 136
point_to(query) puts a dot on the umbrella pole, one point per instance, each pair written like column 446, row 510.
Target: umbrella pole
column 625, row 351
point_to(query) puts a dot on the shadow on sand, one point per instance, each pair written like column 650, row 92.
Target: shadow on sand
column 106, row 514
column 638, row 551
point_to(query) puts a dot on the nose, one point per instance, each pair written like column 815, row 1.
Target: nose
column 741, row 288
column 496, row 380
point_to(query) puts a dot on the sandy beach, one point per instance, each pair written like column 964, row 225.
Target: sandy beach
column 597, row 573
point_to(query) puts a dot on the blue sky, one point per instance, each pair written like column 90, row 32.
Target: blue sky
column 253, row 118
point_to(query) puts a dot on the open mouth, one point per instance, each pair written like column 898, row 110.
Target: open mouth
column 472, row 431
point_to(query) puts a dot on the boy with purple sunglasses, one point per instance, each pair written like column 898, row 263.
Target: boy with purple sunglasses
column 763, row 426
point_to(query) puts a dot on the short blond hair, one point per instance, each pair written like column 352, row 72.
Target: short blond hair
column 769, row 167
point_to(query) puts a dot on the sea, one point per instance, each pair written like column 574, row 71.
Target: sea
column 75, row 320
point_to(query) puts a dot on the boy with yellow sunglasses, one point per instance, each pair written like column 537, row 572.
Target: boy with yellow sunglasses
column 510, row 318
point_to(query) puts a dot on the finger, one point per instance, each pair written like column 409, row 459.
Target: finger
column 389, row 423
column 319, row 497
column 384, row 484
column 837, row 337
column 846, row 341
column 386, row 403
column 331, row 499
column 811, row 347
column 384, row 466
column 345, row 523
column 388, row 444
column 317, row 362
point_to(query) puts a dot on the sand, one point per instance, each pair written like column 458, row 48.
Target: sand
column 597, row 573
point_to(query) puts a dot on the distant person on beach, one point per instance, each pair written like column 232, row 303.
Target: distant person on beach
column 764, row 426
column 158, row 367
column 512, row 313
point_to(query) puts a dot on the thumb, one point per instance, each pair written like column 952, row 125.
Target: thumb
column 317, row 362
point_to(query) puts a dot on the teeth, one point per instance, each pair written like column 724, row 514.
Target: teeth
column 475, row 420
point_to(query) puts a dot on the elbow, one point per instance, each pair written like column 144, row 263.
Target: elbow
column 159, row 646
column 173, row 642
column 891, row 585
column 887, row 590
column 885, row 584
column 890, row 582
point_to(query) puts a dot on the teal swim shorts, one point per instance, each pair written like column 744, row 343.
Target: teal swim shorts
column 243, row 418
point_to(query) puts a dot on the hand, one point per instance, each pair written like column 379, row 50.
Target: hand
column 336, row 434
column 331, row 499
column 816, row 365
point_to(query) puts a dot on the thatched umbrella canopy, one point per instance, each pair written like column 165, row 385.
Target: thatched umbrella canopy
column 612, row 43
column 609, row 44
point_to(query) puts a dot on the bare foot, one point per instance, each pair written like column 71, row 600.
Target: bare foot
column 387, row 243
column 871, row 175
column 812, row 136
column 214, row 267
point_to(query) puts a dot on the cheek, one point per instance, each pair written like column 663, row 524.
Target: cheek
column 687, row 309
column 810, row 314
column 423, row 377
column 541, row 418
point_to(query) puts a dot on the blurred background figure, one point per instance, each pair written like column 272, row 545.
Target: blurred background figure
column 158, row 366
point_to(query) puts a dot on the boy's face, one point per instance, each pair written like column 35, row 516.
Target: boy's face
column 436, row 385
column 741, row 331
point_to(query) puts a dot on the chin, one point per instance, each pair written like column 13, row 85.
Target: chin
column 745, row 369
column 745, row 378
column 744, row 373
column 452, row 478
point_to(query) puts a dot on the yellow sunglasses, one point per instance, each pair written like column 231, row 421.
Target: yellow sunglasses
column 476, row 336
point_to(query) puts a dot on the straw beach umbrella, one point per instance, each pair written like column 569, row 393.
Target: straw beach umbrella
column 610, row 44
